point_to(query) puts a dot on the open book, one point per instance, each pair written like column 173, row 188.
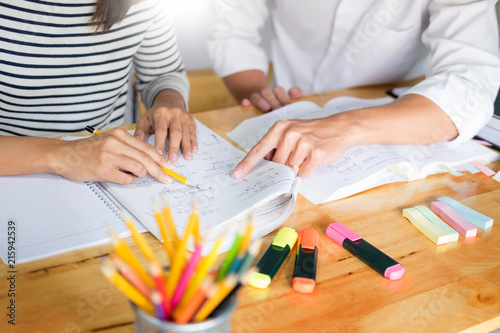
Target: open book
column 367, row 166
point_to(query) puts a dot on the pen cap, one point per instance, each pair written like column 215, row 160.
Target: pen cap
column 308, row 239
column 285, row 236
column 338, row 233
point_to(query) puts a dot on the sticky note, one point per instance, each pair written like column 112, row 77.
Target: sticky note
column 474, row 217
column 429, row 214
column 459, row 168
column 432, row 231
column 397, row 170
column 484, row 169
column 448, row 169
column 472, row 169
column 451, row 217
column 497, row 177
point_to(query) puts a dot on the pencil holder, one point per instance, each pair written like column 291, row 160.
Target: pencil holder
column 219, row 322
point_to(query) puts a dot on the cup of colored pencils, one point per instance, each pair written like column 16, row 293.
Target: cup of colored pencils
column 198, row 292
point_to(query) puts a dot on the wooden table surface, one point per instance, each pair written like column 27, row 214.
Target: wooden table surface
column 446, row 288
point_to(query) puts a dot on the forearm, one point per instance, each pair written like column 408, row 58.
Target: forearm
column 244, row 84
column 26, row 155
column 411, row 119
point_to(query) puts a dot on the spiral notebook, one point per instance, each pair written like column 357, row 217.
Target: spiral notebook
column 48, row 215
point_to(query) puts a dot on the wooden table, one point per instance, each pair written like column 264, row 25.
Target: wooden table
column 445, row 288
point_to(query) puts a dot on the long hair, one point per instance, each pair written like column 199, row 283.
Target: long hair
column 109, row 12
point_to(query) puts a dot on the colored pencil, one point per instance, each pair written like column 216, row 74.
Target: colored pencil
column 158, row 305
column 126, row 254
column 167, row 244
column 186, row 275
column 127, row 289
column 187, row 312
column 216, row 295
column 130, row 274
column 159, row 280
column 178, row 263
column 231, row 255
column 167, row 216
column 201, row 272
column 141, row 242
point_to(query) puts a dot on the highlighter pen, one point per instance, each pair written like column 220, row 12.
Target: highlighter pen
column 304, row 275
column 274, row 256
column 366, row 252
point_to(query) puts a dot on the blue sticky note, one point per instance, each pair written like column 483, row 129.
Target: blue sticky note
column 469, row 167
column 474, row 217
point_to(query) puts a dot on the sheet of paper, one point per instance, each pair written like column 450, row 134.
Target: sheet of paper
column 426, row 158
column 220, row 196
column 52, row 215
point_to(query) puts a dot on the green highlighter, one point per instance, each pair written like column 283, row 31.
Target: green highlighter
column 274, row 256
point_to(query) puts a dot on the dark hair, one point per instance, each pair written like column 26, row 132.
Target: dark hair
column 109, row 12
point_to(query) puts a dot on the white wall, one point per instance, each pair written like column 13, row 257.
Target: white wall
column 192, row 19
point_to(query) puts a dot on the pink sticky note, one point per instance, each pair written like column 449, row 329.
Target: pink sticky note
column 484, row 169
column 451, row 217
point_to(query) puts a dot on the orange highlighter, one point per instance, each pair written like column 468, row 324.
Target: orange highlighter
column 306, row 261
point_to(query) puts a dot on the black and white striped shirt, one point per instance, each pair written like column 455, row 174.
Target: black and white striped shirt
column 58, row 76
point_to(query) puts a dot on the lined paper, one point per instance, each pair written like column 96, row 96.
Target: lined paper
column 52, row 215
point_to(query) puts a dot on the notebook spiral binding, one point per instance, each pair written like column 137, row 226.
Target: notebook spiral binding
column 99, row 190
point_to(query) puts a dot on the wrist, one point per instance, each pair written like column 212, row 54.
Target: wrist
column 350, row 127
column 169, row 98
column 59, row 156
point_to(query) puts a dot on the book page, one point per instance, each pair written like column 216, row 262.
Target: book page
column 221, row 197
column 424, row 159
column 359, row 168
column 53, row 215
column 250, row 131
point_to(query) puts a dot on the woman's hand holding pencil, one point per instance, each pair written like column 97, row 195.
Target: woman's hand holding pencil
column 190, row 291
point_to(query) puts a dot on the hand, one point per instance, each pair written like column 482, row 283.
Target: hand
column 305, row 144
column 114, row 156
column 268, row 99
column 168, row 116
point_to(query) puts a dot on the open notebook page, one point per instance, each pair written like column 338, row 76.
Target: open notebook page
column 52, row 215
column 221, row 197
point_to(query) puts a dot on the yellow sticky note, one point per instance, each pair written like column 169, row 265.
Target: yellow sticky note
column 432, row 231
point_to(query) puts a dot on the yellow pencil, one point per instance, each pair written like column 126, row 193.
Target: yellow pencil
column 167, row 245
column 196, row 223
column 178, row 177
column 247, row 237
column 141, row 242
column 127, row 289
column 179, row 259
column 170, row 223
column 201, row 272
column 92, row 130
column 126, row 254
column 217, row 295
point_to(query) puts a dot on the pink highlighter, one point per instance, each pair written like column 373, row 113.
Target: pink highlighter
column 366, row 252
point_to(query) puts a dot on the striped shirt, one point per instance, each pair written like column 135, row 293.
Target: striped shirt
column 58, row 76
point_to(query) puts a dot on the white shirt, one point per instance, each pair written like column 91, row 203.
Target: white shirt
column 321, row 45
